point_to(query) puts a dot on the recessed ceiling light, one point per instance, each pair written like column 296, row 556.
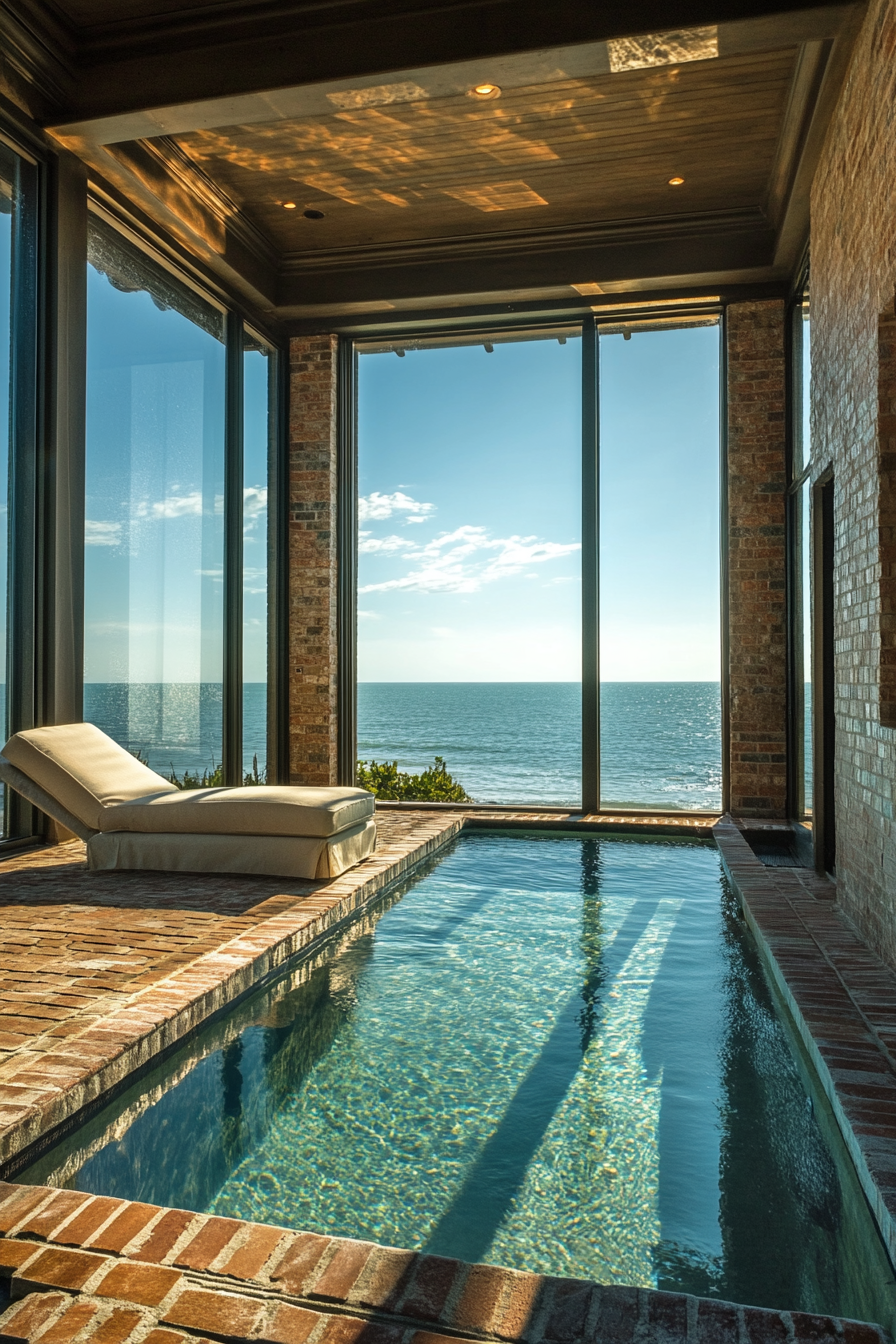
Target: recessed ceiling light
column 313, row 214
column 289, row 205
column 485, row 91
column 676, row 181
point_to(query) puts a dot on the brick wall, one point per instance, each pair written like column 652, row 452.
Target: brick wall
column 756, row 590
column 853, row 276
column 313, row 563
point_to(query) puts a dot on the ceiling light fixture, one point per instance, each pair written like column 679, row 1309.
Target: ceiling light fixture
column 485, row 91
column 676, row 181
column 289, row 205
column 313, row 214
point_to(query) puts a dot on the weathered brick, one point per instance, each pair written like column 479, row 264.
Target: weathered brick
column 133, row 1282
column 56, row 1267
column 313, row 560
column 21, row 1322
column 218, row 1313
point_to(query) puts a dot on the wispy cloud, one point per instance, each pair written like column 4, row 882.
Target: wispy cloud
column 380, row 506
column 255, row 503
column 101, row 534
column 464, row 560
column 369, row 545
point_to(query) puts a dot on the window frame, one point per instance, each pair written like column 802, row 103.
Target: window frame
column 589, row 325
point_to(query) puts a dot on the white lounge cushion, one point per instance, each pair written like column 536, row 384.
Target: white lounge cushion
column 267, row 809
column 274, row 856
column 83, row 769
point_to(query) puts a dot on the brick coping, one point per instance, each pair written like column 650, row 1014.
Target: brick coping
column 90, row 1268
column 842, row 1000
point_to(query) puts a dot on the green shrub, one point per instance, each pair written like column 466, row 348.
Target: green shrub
column 209, row 779
column 434, row 785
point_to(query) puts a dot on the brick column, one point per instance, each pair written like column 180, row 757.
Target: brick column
column 312, row 560
column 756, row 586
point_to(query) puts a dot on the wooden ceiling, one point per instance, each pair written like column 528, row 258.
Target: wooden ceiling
column 563, row 152
column 205, row 122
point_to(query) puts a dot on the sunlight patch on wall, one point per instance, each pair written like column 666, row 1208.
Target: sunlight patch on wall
column 378, row 95
column 672, row 48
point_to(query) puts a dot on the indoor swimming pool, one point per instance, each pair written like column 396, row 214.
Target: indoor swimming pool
column 547, row 1052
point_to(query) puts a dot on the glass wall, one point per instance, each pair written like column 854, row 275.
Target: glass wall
column 7, row 197
column 18, row 406
column 469, row 587
column 154, row 555
column 660, row 643
column 258, row 365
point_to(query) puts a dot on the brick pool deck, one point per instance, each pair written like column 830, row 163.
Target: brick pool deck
column 100, row 973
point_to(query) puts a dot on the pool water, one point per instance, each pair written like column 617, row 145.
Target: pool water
column 547, row 1052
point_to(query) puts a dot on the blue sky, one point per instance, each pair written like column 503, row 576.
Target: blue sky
column 470, row 511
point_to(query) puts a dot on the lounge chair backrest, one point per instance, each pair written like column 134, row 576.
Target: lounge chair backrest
column 84, row 769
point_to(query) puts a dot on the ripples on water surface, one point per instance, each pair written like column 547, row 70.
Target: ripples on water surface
column 520, row 742
column 552, row 1053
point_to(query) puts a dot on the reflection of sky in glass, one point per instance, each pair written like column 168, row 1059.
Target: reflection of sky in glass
column 256, row 367
column 805, row 578
column 5, row 283
column 659, row 589
column 154, row 515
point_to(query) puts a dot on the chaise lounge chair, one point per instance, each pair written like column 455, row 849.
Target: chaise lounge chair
column 131, row 817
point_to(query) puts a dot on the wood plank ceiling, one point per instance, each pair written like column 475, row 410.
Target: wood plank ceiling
column 273, row 142
column 562, row 152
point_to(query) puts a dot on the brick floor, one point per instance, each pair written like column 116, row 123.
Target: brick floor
column 301, row 1289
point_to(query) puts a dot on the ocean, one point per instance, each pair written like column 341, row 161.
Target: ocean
column 506, row 742
column 519, row 742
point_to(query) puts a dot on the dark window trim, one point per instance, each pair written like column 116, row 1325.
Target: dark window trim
column 27, row 425
column 232, row 667
column 724, row 567
column 590, row 613
column 796, row 744
column 347, row 553
column 590, row 327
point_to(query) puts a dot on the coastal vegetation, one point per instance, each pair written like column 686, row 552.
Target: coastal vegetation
column 433, row 785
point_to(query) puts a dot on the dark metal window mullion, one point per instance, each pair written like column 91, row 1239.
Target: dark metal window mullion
column 347, row 551
column 590, row 566
column 278, row 571
column 232, row 689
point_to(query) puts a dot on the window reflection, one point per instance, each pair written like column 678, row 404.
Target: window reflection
column 154, row 511
column 6, row 209
column 257, row 383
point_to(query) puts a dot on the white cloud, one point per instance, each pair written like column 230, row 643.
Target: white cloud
column 377, row 505
column 255, row 503
column 382, row 545
column 172, row 506
column 369, row 616
column 464, row 560
column 101, row 534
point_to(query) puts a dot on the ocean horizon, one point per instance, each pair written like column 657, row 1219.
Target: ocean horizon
column 505, row 742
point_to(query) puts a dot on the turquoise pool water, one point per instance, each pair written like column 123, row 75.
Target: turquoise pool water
column 551, row 1053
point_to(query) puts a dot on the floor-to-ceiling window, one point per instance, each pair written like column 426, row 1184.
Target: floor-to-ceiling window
column 18, row 405
column 660, row 703
column 480, row 539
column 156, row 547
column 469, row 587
